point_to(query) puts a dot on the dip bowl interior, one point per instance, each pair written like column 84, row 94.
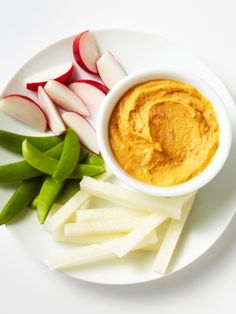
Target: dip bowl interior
column 206, row 90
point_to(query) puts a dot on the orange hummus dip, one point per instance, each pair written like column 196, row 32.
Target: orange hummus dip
column 163, row 132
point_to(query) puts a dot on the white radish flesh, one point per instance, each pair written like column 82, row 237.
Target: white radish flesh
column 91, row 93
column 171, row 238
column 60, row 73
column 83, row 129
column 65, row 98
column 54, row 119
column 86, row 52
column 25, row 110
column 110, row 70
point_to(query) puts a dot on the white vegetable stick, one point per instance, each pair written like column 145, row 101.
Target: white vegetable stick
column 129, row 242
column 70, row 207
column 171, row 238
column 86, row 240
column 52, row 212
column 91, row 227
column 55, row 207
column 153, row 247
column 148, row 241
column 92, row 253
column 138, row 201
column 79, row 256
column 161, row 232
column 59, row 236
column 66, row 211
column 107, row 213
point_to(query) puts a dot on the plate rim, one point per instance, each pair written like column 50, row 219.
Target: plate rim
column 216, row 78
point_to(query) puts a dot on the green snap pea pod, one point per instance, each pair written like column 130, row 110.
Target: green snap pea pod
column 47, row 164
column 13, row 141
column 18, row 171
column 47, row 196
column 34, row 202
column 94, row 159
column 69, row 189
column 83, row 154
column 69, row 157
column 20, row 199
column 86, row 170
column 37, row 159
column 55, row 152
column 22, row 170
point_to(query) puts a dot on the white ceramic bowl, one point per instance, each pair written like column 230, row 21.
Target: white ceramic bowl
column 193, row 184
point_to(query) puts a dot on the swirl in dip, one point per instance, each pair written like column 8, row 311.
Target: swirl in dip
column 163, row 132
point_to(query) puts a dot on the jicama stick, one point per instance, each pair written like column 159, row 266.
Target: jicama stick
column 66, row 211
column 161, row 232
column 53, row 210
column 70, row 207
column 92, row 253
column 59, row 236
column 79, row 256
column 135, row 200
column 129, row 242
column 91, row 227
column 107, row 213
column 171, row 238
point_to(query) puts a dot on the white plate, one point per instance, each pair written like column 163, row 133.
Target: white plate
column 215, row 204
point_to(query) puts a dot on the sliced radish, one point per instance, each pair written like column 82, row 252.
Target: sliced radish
column 86, row 52
column 109, row 69
column 60, row 73
column 91, row 92
column 96, row 84
column 85, row 131
column 24, row 109
column 65, row 98
column 54, row 119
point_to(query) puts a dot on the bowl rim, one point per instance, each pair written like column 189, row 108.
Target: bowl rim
column 186, row 77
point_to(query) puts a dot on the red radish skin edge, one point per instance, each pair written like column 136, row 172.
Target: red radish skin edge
column 77, row 55
column 28, row 98
column 22, row 96
column 62, row 79
column 96, row 84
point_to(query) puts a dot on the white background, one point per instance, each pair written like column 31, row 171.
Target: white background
column 207, row 28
